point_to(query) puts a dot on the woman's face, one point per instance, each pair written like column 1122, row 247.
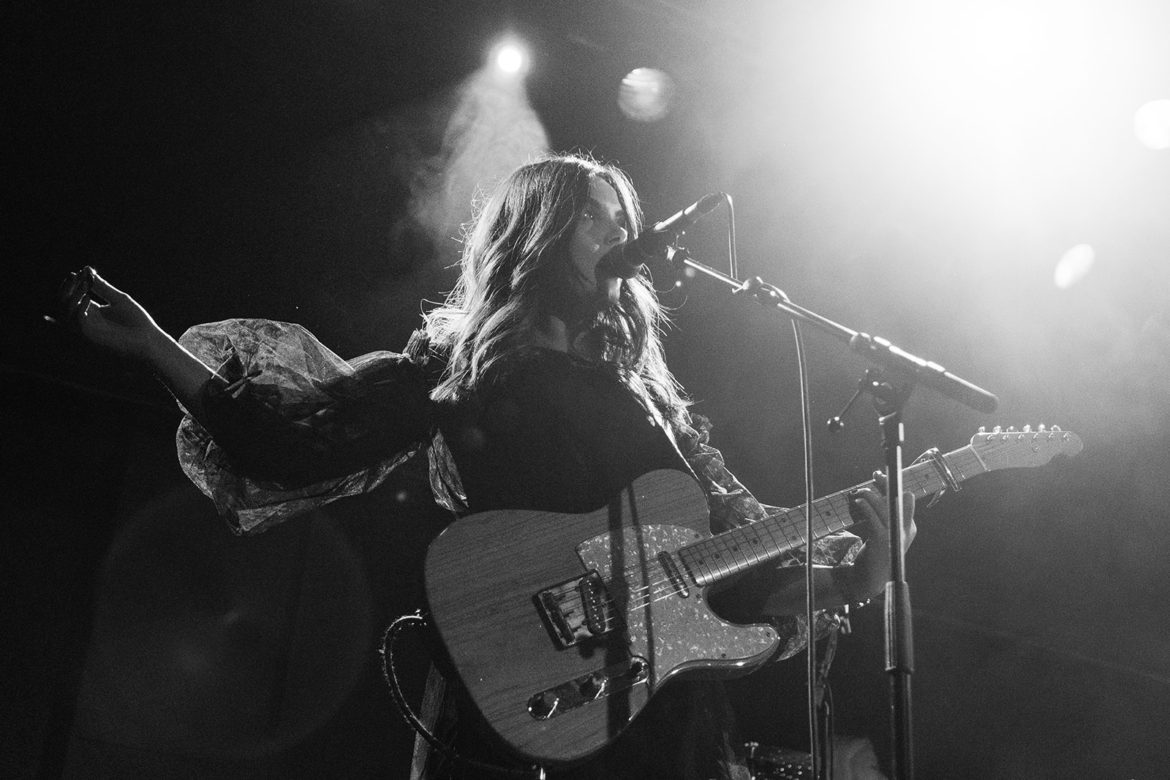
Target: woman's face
column 600, row 227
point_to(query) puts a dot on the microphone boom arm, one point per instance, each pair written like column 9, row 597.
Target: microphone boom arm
column 875, row 348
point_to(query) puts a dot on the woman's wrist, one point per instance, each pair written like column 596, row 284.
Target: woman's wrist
column 154, row 347
column 858, row 583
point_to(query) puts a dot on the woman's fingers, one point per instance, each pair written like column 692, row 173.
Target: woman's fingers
column 909, row 528
column 865, row 504
column 73, row 295
column 91, row 320
column 105, row 290
column 879, row 479
column 870, row 511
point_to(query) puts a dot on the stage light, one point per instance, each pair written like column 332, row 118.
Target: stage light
column 1151, row 124
column 1074, row 265
column 511, row 58
column 645, row 94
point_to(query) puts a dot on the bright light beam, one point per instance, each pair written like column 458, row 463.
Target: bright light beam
column 490, row 130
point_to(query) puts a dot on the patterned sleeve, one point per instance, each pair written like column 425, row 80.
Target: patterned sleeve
column 288, row 425
column 732, row 505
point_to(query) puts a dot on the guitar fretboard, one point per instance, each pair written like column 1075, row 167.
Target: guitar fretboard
column 743, row 548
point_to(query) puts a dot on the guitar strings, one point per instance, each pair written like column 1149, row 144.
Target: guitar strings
column 786, row 523
column 917, row 476
column 652, row 591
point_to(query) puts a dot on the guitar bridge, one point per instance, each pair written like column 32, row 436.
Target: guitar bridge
column 577, row 610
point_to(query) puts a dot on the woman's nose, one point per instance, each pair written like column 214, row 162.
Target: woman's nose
column 617, row 234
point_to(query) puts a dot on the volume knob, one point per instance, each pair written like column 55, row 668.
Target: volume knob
column 543, row 706
column 594, row 686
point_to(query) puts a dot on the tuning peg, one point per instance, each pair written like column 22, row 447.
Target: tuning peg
column 997, row 429
column 982, row 429
column 1056, row 429
column 1011, row 429
column 1042, row 428
column 1027, row 429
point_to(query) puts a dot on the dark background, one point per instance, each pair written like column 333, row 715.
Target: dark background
column 910, row 169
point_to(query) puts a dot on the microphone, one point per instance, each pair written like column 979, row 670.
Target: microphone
column 624, row 262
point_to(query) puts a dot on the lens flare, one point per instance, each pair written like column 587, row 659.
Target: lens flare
column 1151, row 124
column 1074, row 265
column 645, row 94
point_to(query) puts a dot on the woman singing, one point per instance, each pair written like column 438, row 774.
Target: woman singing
column 540, row 384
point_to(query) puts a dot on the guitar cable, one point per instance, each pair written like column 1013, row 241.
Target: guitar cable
column 390, row 675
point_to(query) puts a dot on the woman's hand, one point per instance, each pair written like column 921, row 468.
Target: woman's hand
column 119, row 325
column 781, row 591
column 870, row 511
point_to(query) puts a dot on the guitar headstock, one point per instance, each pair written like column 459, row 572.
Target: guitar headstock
column 1009, row 448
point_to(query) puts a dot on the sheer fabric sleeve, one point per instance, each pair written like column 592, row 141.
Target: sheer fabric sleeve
column 288, row 425
column 733, row 505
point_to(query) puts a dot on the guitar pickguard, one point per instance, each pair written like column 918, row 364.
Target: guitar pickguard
column 666, row 620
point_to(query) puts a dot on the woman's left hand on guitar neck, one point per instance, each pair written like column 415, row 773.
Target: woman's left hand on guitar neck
column 781, row 591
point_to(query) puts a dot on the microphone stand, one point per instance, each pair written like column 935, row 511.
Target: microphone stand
column 889, row 399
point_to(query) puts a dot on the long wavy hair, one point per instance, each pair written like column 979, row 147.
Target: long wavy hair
column 516, row 270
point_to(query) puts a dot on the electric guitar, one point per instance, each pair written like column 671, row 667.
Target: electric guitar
column 563, row 626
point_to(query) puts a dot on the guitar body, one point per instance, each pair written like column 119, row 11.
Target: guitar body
column 562, row 626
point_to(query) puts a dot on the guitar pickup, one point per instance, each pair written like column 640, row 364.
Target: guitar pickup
column 577, row 610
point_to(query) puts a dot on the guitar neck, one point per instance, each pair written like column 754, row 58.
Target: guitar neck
column 733, row 552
